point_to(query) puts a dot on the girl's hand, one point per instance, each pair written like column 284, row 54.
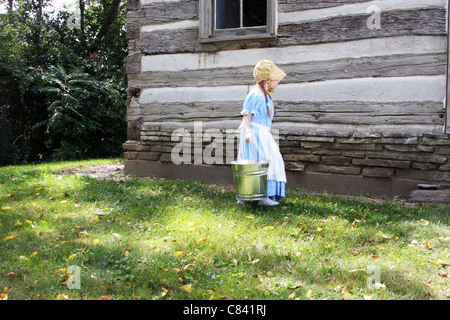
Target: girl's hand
column 248, row 133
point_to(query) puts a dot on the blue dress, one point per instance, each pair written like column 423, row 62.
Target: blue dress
column 264, row 145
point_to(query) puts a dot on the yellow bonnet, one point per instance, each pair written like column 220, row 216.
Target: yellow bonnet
column 266, row 69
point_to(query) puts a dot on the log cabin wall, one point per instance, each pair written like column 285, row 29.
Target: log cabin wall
column 361, row 110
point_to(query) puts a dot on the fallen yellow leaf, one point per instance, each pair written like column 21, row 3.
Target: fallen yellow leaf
column 249, row 217
column 9, row 238
column 72, row 256
column 269, row 228
column 6, row 208
column 383, row 235
column 95, row 241
column 187, row 288
column 178, row 253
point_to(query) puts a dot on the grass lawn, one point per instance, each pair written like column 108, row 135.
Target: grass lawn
column 71, row 236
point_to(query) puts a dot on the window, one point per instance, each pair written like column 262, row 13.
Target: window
column 236, row 19
column 240, row 14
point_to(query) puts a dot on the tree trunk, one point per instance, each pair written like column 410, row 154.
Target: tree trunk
column 111, row 12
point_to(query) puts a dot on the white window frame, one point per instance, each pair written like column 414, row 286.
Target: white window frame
column 209, row 33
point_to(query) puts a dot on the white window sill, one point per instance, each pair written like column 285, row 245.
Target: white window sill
column 238, row 38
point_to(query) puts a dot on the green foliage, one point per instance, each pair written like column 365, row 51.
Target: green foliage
column 8, row 149
column 80, row 108
column 63, row 89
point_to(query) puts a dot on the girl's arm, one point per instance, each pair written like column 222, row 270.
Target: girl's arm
column 248, row 133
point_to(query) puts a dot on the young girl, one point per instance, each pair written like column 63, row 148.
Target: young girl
column 256, row 141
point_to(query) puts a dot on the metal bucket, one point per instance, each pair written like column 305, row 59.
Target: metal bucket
column 250, row 178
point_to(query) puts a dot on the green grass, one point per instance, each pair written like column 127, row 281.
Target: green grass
column 149, row 238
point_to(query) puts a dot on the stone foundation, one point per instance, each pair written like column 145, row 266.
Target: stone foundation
column 376, row 164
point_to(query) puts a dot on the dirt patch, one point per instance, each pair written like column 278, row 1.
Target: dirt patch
column 102, row 171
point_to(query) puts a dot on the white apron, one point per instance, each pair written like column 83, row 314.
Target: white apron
column 263, row 147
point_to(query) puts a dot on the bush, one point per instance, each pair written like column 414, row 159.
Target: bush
column 63, row 89
column 9, row 151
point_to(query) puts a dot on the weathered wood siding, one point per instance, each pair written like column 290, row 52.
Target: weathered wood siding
column 357, row 101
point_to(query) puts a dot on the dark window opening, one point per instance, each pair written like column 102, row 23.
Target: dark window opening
column 228, row 14
column 240, row 13
column 255, row 13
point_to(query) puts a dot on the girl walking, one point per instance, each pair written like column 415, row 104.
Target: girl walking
column 256, row 141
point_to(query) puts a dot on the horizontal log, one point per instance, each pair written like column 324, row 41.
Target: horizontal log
column 396, row 23
column 346, row 113
column 368, row 8
column 313, row 4
column 216, row 110
column 302, row 118
column 163, row 12
column 400, row 108
column 342, row 28
column 384, row 66
column 363, row 119
column 396, row 89
column 168, row 41
column 189, row 124
column 151, row 2
column 326, row 112
column 296, row 54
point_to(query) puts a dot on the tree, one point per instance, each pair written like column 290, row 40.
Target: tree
column 63, row 89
